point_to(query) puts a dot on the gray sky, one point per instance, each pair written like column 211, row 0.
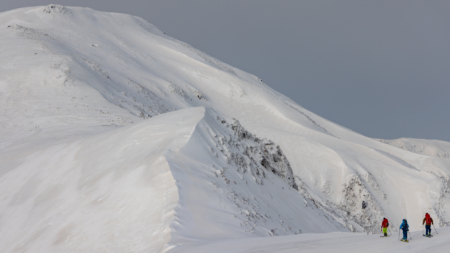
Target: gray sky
column 380, row 68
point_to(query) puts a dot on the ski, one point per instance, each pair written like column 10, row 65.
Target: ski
column 428, row 235
column 404, row 240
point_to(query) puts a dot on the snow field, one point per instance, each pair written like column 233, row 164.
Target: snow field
column 326, row 242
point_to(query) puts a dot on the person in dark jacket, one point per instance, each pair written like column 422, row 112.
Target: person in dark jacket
column 405, row 228
column 428, row 223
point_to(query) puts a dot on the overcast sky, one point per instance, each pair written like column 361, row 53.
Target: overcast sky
column 380, row 68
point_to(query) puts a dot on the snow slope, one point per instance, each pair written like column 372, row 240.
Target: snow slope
column 116, row 137
column 326, row 242
column 435, row 148
column 142, row 186
column 109, row 192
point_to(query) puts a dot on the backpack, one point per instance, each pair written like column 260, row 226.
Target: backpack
column 428, row 219
column 385, row 223
column 404, row 225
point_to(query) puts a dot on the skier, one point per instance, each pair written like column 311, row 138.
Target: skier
column 405, row 228
column 384, row 226
column 428, row 221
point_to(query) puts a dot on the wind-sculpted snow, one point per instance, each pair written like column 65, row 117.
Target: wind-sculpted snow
column 139, row 188
column 112, row 192
column 251, row 163
column 435, row 148
column 229, row 189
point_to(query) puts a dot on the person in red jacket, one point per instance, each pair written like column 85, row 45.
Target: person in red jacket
column 384, row 226
column 428, row 223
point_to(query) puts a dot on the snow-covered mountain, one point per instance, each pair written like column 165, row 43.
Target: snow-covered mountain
column 435, row 148
column 118, row 138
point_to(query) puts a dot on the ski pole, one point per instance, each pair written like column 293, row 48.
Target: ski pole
column 435, row 229
column 398, row 235
column 410, row 237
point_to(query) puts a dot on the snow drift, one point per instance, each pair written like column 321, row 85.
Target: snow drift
column 168, row 179
column 116, row 137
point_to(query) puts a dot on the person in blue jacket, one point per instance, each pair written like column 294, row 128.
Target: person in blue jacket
column 405, row 228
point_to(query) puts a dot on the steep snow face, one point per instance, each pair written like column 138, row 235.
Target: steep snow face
column 233, row 184
column 434, row 148
column 69, row 75
column 110, row 192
